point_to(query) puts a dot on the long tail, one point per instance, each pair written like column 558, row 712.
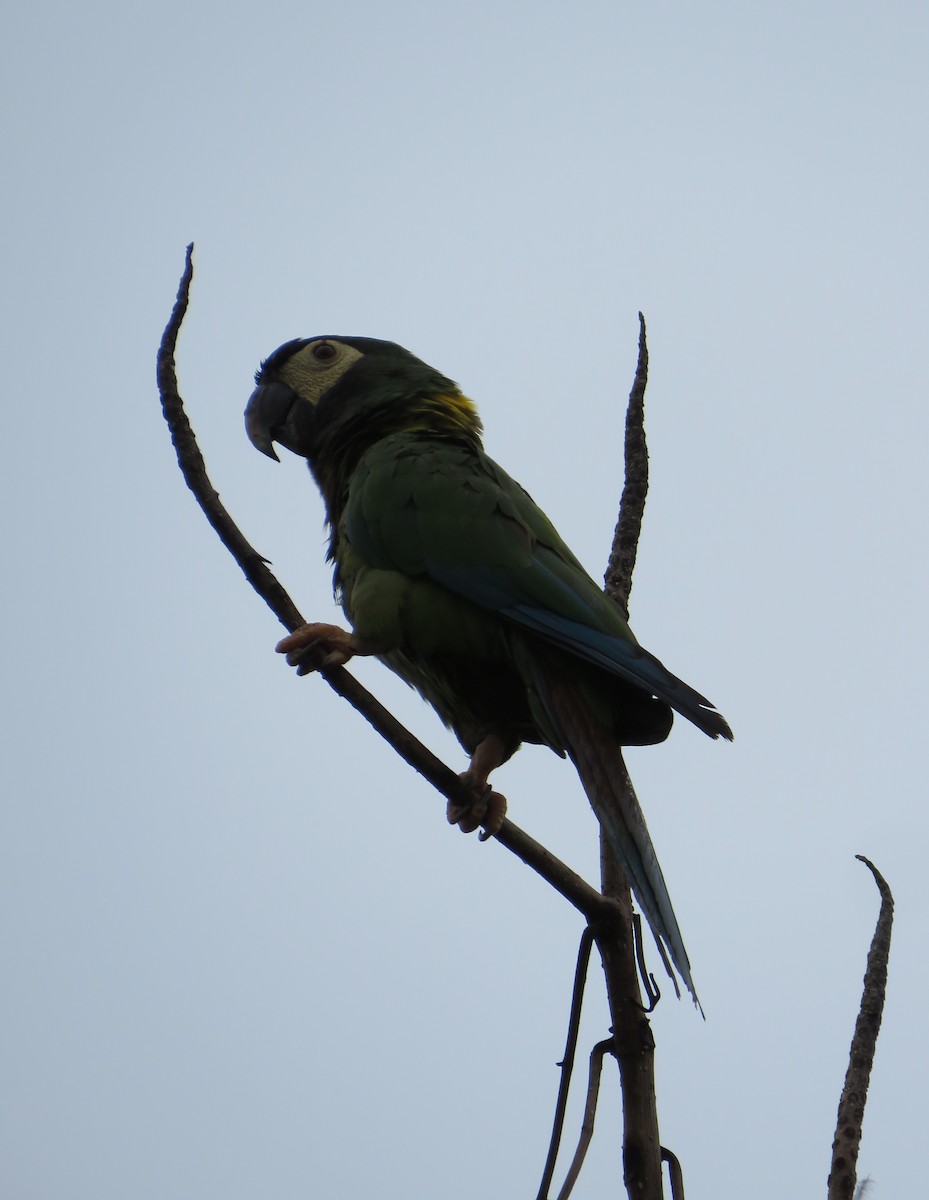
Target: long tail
column 603, row 773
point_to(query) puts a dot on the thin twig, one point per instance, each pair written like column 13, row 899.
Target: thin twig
column 193, row 467
column 567, row 1063
column 854, row 1096
column 675, row 1173
column 634, row 1044
column 590, row 1113
column 633, row 1041
column 646, row 978
column 567, row 882
column 618, row 578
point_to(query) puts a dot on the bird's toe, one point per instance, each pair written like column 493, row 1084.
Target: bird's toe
column 486, row 810
column 316, row 646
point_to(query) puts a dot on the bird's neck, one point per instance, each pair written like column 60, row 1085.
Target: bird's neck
column 429, row 414
column 441, row 413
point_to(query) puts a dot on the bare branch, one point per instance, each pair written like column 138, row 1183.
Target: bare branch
column 193, row 467
column 590, row 1113
column 675, row 1174
column 854, row 1096
column 632, row 1043
column 618, row 578
column 646, row 978
column 576, row 890
column 567, row 1063
column 609, row 913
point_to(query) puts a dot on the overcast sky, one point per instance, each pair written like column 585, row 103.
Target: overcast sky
column 243, row 954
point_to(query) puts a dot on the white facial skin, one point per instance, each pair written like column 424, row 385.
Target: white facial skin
column 315, row 368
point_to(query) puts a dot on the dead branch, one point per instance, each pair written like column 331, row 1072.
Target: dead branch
column 617, row 582
column 567, row 1063
column 576, row 890
column 608, row 912
column 843, row 1172
column 675, row 1174
column 590, row 1114
column 633, row 1043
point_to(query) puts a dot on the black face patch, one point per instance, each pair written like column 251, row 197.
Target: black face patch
column 277, row 359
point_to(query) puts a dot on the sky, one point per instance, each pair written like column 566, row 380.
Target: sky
column 244, row 955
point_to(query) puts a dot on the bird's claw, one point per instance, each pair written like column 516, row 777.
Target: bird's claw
column 486, row 810
column 314, row 647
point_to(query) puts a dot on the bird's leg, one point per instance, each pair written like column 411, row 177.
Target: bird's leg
column 312, row 647
column 487, row 808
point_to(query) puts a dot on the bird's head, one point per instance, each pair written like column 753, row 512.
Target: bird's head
column 329, row 399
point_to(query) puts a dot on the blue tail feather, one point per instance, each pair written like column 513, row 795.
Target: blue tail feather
column 603, row 774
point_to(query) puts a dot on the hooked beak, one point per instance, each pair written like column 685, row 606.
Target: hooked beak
column 266, row 416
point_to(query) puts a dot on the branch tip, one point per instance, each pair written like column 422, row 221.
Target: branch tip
column 850, row 1118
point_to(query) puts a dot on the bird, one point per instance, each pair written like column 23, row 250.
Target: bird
column 450, row 574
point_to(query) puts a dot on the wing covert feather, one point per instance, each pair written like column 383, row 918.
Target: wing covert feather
column 443, row 509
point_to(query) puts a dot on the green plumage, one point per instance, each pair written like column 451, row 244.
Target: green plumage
column 450, row 573
column 430, row 527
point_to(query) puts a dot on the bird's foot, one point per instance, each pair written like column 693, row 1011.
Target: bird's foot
column 314, row 647
column 485, row 810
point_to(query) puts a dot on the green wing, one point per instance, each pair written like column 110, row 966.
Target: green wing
column 441, row 509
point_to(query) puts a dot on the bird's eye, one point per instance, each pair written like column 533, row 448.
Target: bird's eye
column 324, row 352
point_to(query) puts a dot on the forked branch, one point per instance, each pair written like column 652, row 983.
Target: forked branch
column 608, row 913
column 585, row 898
column 843, row 1173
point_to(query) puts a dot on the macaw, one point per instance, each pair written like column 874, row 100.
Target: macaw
column 451, row 575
